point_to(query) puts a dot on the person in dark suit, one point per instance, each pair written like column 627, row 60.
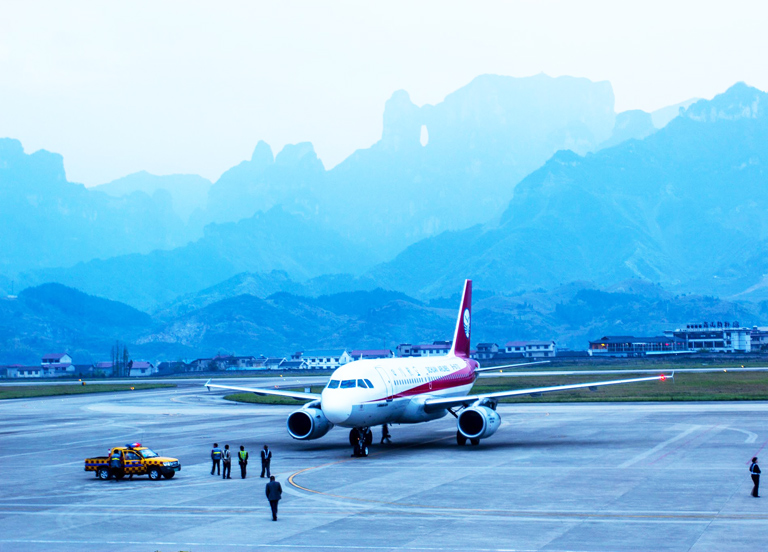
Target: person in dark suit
column 266, row 460
column 274, row 494
column 754, row 471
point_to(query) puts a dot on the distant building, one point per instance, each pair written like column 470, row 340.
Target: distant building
column 630, row 346
column 326, row 360
column 366, row 354
column 759, row 338
column 273, row 363
column 437, row 348
column 56, row 365
column 723, row 337
column 103, row 369
column 532, row 349
column 485, row 351
column 139, row 368
column 25, row 372
column 293, row 364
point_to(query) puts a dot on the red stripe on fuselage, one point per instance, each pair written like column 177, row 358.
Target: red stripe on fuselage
column 461, row 377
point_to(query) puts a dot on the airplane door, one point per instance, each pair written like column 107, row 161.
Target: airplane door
column 387, row 382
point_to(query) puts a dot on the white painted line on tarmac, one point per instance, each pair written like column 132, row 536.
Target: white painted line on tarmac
column 657, row 448
column 751, row 437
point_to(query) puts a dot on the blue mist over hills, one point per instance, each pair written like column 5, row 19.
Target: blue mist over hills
column 568, row 216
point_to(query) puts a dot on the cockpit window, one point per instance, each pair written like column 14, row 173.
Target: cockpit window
column 348, row 384
column 333, row 384
column 370, row 385
column 361, row 383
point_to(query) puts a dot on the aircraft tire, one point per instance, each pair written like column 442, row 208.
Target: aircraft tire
column 368, row 438
column 365, row 451
column 460, row 439
column 353, row 436
column 475, row 441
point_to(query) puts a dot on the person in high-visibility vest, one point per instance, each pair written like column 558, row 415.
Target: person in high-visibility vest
column 216, row 458
column 227, row 461
column 242, row 457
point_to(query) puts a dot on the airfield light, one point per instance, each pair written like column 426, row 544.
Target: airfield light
column 132, row 388
column 663, row 377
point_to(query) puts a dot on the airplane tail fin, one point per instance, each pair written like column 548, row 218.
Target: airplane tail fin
column 463, row 331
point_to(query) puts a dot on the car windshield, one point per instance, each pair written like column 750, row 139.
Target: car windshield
column 348, row 384
column 333, row 384
column 148, row 453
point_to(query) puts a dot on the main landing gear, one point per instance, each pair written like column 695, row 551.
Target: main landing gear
column 360, row 438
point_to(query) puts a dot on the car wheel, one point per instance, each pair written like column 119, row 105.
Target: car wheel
column 102, row 473
column 154, row 474
column 169, row 475
column 460, row 439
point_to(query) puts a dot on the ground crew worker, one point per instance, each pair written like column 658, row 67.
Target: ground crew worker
column 116, row 465
column 266, row 459
column 385, row 436
column 274, row 494
column 754, row 471
column 227, row 460
column 216, row 458
column 243, row 460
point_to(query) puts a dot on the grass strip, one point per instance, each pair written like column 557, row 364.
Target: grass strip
column 28, row 391
column 269, row 399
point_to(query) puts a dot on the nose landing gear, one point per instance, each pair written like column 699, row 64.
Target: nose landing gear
column 360, row 439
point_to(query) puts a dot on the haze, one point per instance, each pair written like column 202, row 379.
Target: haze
column 191, row 87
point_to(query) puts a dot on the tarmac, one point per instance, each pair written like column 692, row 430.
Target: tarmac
column 555, row 477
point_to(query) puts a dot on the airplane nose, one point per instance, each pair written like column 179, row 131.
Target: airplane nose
column 335, row 409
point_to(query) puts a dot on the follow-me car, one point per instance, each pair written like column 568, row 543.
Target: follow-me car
column 367, row 393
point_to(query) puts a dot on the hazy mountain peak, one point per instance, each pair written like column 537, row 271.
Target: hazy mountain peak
column 10, row 148
column 262, row 154
column 302, row 154
column 740, row 101
column 402, row 122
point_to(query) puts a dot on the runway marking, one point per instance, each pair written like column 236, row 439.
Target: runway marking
column 678, row 447
column 751, row 437
column 657, row 448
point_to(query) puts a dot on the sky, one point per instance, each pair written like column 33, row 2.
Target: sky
column 191, row 87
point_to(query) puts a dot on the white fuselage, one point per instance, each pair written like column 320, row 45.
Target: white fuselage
column 366, row 393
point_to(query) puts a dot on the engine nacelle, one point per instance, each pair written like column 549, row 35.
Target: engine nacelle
column 308, row 423
column 478, row 422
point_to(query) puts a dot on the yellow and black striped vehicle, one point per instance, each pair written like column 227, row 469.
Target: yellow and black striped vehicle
column 130, row 460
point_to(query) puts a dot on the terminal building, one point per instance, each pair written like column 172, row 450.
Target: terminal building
column 631, row 346
column 720, row 337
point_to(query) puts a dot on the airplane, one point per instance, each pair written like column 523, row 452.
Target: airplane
column 372, row 392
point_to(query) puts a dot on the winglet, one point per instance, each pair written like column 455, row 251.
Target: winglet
column 460, row 346
column 206, row 384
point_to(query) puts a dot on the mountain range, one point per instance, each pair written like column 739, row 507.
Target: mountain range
column 524, row 185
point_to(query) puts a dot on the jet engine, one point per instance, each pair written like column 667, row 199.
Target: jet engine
column 478, row 422
column 308, row 423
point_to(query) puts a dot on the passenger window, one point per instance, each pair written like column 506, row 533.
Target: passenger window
column 370, row 385
column 333, row 384
column 361, row 383
column 347, row 384
column 131, row 456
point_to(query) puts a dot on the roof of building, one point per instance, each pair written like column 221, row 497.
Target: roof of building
column 526, row 343
column 324, row 353
column 486, row 345
column 438, row 346
column 370, row 352
column 294, row 363
column 633, row 339
column 139, row 364
column 54, row 356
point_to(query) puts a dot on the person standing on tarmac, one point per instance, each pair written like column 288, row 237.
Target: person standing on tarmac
column 216, row 458
column 754, row 471
column 266, row 460
column 227, row 461
column 274, row 494
column 116, row 468
column 385, row 436
column 242, row 460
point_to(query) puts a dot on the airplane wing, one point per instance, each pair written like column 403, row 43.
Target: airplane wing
column 431, row 405
column 261, row 391
column 510, row 366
